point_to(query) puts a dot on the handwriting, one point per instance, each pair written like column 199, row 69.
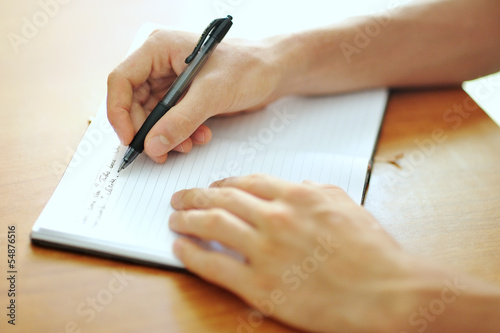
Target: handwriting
column 102, row 189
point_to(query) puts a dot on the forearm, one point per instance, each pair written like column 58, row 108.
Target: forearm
column 426, row 43
column 477, row 311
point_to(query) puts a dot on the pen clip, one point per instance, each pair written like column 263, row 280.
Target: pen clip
column 212, row 26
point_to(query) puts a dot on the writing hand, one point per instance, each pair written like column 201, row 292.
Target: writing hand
column 237, row 77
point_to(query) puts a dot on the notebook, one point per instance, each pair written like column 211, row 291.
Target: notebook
column 95, row 209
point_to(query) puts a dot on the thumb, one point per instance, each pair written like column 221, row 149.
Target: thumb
column 176, row 125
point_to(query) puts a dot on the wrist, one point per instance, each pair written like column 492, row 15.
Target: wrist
column 293, row 56
column 312, row 62
column 404, row 300
column 418, row 289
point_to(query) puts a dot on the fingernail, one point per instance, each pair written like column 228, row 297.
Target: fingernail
column 176, row 200
column 199, row 136
column 216, row 183
column 222, row 182
column 179, row 148
column 173, row 220
column 158, row 145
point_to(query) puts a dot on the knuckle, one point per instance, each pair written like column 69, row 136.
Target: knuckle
column 225, row 196
column 330, row 216
column 337, row 193
column 279, row 217
column 212, row 218
column 298, row 192
column 253, row 181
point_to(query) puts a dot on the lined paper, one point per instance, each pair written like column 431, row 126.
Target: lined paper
column 325, row 139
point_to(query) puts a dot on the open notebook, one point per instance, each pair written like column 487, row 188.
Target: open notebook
column 328, row 139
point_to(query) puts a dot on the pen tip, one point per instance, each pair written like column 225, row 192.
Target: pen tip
column 122, row 166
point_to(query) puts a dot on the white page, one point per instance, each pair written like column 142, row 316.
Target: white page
column 326, row 139
column 485, row 91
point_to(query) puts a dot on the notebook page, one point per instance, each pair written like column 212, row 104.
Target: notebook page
column 295, row 138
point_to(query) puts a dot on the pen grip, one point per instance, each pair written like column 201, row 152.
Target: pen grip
column 155, row 115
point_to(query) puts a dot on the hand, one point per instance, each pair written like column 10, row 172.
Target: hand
column 237, row 77
column 314, row 259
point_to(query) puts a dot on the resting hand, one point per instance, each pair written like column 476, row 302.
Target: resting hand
column 313, row 258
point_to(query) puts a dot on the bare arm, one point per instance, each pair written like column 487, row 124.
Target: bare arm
column 426, row 43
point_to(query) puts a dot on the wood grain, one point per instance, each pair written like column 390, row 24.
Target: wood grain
column 442, row 200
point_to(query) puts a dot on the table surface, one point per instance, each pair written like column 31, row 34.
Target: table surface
column 434, row 184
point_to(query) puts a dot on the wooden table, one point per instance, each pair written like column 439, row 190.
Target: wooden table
column 434, row 185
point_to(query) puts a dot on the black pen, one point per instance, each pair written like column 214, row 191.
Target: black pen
column 213, row 35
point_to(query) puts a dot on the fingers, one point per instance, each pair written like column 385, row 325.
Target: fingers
column 244, row 205
column 299, row 195
column 201, row 136
column 150, row 62
column 119, row 103
column 269, row 188
column 261, row 185
column 218, row 225
column 340, row 200
column 333, row 191
column 215, row 267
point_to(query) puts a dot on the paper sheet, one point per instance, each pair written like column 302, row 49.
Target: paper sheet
column 326, row 139
column 485, row 92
